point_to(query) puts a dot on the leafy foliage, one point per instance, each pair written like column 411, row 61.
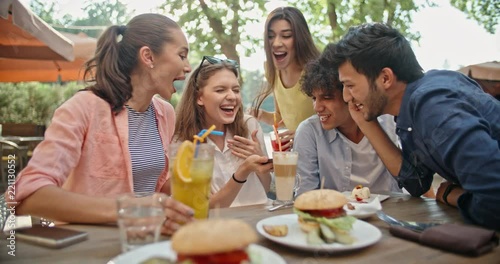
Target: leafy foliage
column 33, row 102
column 217, row 26
column 254, row 81
column 100, row 14
column 342, row 14
column 44, row 10
column 486, row 12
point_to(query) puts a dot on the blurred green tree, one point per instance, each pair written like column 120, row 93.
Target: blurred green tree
column 485, row 12
column 329, row 20
column 99, row 15
column 33, row 102
column 218, row 27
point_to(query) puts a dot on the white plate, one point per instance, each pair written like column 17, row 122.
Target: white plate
column 381, row 197
column 364, row 234
column 364, row 210
column 163, row 249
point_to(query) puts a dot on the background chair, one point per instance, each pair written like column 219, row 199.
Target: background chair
column 14, row 155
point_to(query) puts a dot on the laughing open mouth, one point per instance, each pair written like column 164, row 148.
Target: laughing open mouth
column 323, row 118
column 227, row 109
column 280, row 55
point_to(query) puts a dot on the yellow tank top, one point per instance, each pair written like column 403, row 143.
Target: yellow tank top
column 294, row 105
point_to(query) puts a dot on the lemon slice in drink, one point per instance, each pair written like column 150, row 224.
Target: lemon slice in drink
column 183, row 161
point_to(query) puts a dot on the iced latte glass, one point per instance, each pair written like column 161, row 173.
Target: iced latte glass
column 285, row 174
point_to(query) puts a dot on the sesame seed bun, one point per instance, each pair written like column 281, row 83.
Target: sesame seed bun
column 212, row 236
column 320, row 200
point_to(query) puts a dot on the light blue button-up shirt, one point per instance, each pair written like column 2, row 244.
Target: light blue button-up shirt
column 342, row 163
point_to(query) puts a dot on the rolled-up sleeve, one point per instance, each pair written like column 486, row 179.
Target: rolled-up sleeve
column 56, row 156
column 414, row 177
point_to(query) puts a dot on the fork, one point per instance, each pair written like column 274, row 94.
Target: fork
column 414, row 226
column 281, row 205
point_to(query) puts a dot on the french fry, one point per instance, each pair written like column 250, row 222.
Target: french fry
column 276, row 230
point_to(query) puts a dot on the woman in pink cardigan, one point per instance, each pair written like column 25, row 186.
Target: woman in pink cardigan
column 112, row 137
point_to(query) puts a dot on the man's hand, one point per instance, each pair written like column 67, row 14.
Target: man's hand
column 453, row 195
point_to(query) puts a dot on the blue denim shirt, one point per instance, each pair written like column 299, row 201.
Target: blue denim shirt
column 448, row 125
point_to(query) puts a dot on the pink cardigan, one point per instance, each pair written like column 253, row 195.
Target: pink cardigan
column 86, row 149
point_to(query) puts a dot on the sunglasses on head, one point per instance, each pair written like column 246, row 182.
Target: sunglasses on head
column 214, row 60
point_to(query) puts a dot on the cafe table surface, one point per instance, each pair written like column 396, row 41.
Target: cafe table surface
column 18, row 139
column 103, row 242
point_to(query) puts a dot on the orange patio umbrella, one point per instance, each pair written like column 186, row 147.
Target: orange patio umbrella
column 20, row 70
column 23, row 35
column 31, row 50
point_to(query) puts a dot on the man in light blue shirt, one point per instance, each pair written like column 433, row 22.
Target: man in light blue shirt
column 331, row 146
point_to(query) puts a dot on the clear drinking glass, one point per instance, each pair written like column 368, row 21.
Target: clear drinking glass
column 274, row 142
column 140, row 218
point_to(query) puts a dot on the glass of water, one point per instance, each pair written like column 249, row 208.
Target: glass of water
column 140, row 218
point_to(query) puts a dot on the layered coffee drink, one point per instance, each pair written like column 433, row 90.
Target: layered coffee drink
column 285, row 171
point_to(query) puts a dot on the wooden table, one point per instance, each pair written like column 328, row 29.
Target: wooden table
column 18, row 139
column 103, row 243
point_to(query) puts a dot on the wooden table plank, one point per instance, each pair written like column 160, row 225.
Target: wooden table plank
column 103, row 243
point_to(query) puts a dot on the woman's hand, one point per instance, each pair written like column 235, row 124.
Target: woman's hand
column 262, row 168
column 175, row 213
column 286, row 138
column 243, row 147
column 258, row 164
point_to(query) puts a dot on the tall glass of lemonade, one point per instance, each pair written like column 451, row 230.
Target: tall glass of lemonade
column 191, row 169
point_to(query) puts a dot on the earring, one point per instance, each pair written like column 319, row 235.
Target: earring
column 151, row 66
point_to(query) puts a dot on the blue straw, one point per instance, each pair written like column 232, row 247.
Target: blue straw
column 213, row 132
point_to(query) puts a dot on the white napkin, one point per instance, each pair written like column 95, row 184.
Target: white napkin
column 364, row 210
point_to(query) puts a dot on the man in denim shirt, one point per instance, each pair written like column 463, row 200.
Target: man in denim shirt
column 446, row 123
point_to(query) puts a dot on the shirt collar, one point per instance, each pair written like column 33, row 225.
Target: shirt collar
column 157, row 105
column 331, row 135
column 227, row 135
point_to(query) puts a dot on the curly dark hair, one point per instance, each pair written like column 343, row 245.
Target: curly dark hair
column 319, row 74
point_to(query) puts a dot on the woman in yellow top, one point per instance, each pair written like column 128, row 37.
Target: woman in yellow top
column 289, row 47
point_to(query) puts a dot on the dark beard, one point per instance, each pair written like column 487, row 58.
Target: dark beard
column 376, row 103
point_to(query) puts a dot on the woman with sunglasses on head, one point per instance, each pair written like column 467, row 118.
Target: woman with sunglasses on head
column 289, row 46
column 212, row 97
column 95, row 147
